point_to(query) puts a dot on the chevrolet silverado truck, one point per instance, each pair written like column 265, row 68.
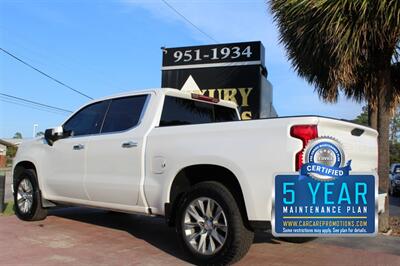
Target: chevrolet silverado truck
column 183, row 156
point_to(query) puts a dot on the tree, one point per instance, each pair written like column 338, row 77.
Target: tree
column 40, row 134
column 394, row 144
column 350, row 46
column 362, row 119
column 17, row 135
column 395, row 127
column 11, row 151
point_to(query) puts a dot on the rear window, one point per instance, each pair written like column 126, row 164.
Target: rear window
column 178, row 111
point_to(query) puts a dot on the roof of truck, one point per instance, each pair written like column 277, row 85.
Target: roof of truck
column 166, row 91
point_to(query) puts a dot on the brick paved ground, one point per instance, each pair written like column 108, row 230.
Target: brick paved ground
column 78, row 236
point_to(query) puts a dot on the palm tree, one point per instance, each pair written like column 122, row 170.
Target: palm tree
column 350, row 46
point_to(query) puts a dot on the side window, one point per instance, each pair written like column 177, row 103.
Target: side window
column 178, row 111
column 123, row 113
column 88, row 120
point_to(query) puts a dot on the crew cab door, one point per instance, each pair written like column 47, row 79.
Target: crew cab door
column 65, row 164
column 115, row 157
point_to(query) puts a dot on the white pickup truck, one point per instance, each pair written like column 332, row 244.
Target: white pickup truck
column 183, row 156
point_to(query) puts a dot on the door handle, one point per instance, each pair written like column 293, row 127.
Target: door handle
column 129, row 144
column 78, row 147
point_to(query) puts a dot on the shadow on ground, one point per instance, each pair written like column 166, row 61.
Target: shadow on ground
column 153, row 230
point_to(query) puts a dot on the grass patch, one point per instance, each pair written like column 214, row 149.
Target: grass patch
column 9, row 209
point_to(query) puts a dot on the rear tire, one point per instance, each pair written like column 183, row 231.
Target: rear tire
column 27, row 198
column 219, row 223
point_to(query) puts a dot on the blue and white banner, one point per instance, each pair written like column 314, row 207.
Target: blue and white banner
column 324, row 198
column 341, row 207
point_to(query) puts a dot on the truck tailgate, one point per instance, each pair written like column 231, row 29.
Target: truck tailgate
column 359, row 142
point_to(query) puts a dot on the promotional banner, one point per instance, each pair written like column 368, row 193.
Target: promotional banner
column 230, row 72
column 324, row 198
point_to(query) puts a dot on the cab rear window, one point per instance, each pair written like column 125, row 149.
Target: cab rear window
column 178, row 111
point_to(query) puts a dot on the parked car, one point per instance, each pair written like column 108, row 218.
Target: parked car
column 183, row 156
column 394, row 179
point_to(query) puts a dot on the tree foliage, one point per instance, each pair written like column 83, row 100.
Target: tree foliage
column 17, row 135
column 362, row 119
column 342, row 44
column 394, row 144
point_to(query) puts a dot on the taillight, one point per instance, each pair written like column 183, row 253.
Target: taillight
column 204, row 98
column 305, row 133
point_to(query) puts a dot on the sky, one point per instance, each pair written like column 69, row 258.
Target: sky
column 104, row 47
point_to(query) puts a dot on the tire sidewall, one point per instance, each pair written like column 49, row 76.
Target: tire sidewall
column 231, row 217
column 30, row 175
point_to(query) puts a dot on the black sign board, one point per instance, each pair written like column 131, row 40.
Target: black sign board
column 226, row 71
column 211, row 54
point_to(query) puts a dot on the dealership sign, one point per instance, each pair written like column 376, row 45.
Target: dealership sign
column 233, row 72
column 324, row 198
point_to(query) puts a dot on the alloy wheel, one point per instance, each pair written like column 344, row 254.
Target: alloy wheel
column 205, row 226
column 25, row 195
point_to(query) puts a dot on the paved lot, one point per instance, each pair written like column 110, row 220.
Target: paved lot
column 72, row 236
column 8, row 194
column 78, row 236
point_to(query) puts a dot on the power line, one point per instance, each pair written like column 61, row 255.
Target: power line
column 15, row 39
column 46, row 75
column 191, row 23
column 35, row 103
column 31, row 106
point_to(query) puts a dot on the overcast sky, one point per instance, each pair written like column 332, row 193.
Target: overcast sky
column 105, row 47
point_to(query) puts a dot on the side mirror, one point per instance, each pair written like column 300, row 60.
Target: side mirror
column 53, row 134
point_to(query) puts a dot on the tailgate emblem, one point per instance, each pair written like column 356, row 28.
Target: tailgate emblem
column 324, row 160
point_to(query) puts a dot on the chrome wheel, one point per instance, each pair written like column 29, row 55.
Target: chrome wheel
column 25, row 195
column 205, row 226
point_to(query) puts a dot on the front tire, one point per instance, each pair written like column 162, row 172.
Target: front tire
column 27, row 198
column 210, row 226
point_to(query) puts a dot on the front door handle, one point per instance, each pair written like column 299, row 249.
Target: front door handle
column 78, row 147
column 129, row 144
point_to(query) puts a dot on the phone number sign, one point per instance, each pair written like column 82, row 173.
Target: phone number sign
column 305, row 206
column 211, row 54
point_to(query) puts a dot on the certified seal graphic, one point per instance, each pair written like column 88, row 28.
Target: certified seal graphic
column 324, row 159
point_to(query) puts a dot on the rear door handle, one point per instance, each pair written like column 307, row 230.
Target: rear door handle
column 78, row 147
column 129, row 144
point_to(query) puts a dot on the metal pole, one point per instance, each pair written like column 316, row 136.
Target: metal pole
column 2, row 190
column 35, row 126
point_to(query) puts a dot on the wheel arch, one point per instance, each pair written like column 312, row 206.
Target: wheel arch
column 22, row 166
column 194, row 174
